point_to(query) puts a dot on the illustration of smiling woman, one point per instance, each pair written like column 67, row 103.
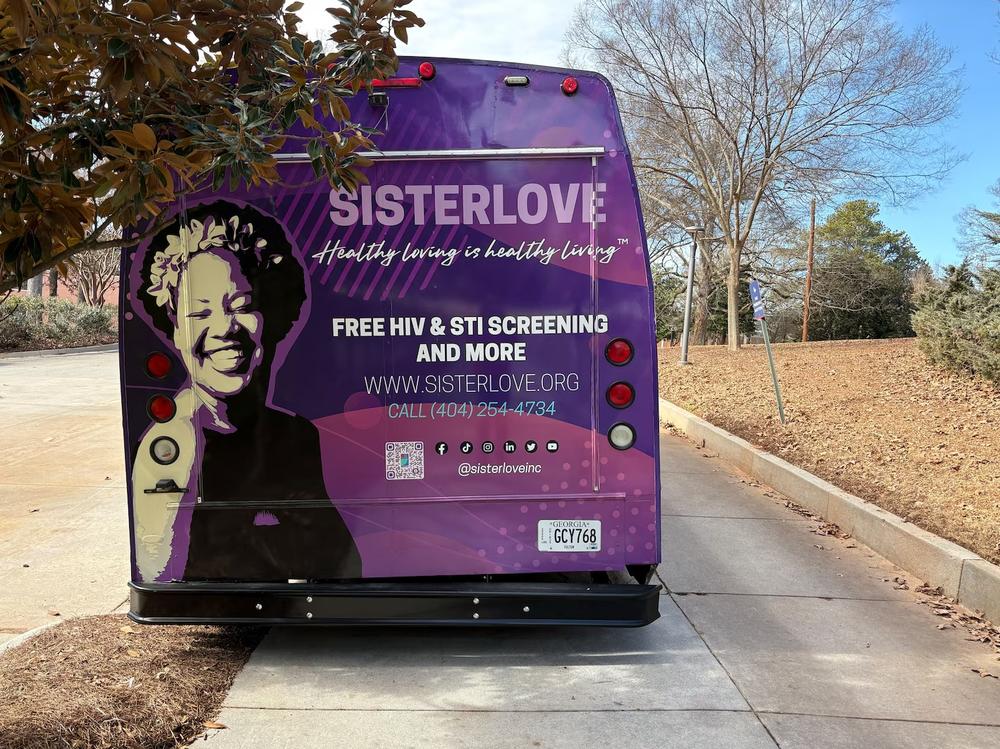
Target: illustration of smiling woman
column 224, row 285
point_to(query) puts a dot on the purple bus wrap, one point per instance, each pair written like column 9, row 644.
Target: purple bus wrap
column 432, row 399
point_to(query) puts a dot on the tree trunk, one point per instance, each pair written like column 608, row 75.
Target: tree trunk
column 699, row 328
column 705, row 285
column 53, row 282
column 35, row 285
column 809, row 271
column 733, row 299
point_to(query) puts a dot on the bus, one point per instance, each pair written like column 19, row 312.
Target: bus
column 428, row 400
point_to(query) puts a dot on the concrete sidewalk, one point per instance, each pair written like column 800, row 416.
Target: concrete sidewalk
column 770, row 635
column 63, row 514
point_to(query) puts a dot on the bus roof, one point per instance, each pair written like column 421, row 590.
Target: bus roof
column 468, row 105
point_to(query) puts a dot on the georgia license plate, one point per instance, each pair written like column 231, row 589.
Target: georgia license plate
column 569, row 535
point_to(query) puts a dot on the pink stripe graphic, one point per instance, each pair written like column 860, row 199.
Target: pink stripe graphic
column 348, row 237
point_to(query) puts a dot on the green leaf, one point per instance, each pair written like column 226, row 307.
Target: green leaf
column 34, row 247
column 13, row 249
column 118, row 47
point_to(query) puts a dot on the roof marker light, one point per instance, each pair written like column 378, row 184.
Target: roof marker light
column 426, row 70
column 396, row 83
column 621, row 436
column 516, row 80
column 570, row 85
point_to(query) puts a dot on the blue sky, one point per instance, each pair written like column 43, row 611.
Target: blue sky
column 532, row 31
column 972, row 29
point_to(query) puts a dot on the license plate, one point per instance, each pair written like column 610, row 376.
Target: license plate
column 569, row 535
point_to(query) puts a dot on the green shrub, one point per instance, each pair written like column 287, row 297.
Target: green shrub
column 42, row 322
column 958, row 321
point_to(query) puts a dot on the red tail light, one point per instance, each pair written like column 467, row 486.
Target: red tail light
column 621, row 395
column 158, row 365
column 397, row 83
column 570, row 85
column 619, row 352
column 427, row 70
column 161, row 408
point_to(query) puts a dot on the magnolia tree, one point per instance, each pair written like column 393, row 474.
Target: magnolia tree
column 110, row 110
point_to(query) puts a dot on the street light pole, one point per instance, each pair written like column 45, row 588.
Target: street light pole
column 689, row 295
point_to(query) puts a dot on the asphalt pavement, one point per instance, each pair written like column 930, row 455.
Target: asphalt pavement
column 771, row 634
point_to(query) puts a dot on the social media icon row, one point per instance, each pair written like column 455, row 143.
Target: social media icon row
column 509, row 447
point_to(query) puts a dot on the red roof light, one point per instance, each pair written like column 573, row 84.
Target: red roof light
column 396, row 83
column 427, row 70
column 570, row 85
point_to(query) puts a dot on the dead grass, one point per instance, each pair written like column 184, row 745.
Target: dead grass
column 872, row 417
column 101, row 682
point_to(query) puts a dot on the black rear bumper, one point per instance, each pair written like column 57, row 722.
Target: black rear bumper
column 407, row 604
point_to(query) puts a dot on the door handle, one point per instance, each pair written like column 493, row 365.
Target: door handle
column 165, row 486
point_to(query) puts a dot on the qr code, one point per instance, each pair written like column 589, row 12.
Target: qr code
column 404, row 460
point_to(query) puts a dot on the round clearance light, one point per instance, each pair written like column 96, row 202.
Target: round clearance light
column 164, row 450
column 621, row 436
column 161, row 408
column 619, row 352
column 570, row 85
column 621, row 395
column 158, row 365
column 426, row 70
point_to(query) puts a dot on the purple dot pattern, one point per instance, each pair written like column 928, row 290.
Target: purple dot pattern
column 445, row 535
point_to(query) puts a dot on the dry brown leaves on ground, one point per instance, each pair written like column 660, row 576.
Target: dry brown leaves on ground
column 872, row 417
column 101, row 682
column 973, row 622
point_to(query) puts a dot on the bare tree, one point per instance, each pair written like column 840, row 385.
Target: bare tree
column 979, row 231
column 92, row 274
column 758, row 102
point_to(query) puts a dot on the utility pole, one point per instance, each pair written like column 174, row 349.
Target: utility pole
column 809, row 271
column 689, row 295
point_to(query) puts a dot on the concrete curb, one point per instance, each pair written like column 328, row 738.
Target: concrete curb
column 22, row 638
column 59, row 351
column 968, row 578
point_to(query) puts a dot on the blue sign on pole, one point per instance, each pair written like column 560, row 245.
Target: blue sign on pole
column 758, row 314
column 757, row 299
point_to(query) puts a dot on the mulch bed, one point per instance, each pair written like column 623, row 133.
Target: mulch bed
column 104, row 683
column 873, row 417
column 50, row 344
